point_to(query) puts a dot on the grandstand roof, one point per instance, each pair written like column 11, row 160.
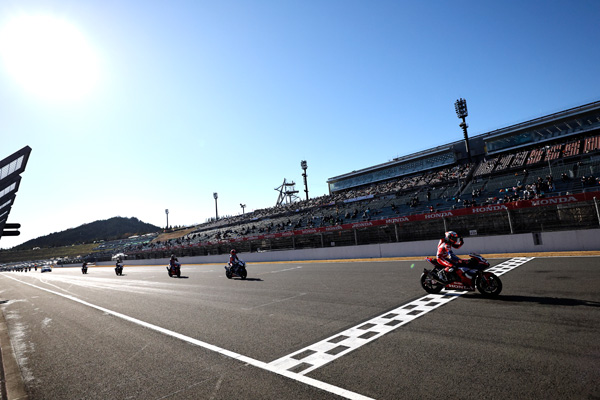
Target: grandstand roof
column 558, row 116
column 570, row 122
column 397, row 161
column 10, row 178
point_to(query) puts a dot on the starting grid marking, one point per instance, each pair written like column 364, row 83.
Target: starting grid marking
column 509, row 265
column 323, row 352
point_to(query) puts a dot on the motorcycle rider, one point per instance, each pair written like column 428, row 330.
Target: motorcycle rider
column 119, row 263
column 234, row 261
column 84, row 267
column 447, row 258
column 173, row 262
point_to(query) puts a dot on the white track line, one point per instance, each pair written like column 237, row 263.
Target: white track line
column 299, row 363
column 256, row 363
column 318, row 354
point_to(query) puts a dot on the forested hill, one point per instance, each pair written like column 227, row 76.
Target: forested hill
column 109, row 229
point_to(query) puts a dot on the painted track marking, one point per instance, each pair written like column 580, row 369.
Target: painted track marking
column 318, row 354
column 299, row 363
column 256, row 363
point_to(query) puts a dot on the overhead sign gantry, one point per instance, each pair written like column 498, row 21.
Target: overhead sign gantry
column 11, row 169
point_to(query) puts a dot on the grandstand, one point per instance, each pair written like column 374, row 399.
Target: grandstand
column 503, row 190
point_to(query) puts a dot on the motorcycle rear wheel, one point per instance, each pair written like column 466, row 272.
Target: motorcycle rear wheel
column 243, row 273
column 490, row 287
column 429, row 285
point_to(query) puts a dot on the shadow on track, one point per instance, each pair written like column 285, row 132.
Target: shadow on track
column 551, row 301
column 247, row 279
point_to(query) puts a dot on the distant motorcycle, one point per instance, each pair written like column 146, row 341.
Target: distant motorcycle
column 238, row 270
column 174, row 270
column 84, row 269
column 119, row 269
column 467, row 276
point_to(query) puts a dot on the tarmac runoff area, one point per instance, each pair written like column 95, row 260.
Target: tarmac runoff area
column 11, row 380
column 13, row 387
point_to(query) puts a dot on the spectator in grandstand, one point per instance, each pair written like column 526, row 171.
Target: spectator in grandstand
column 470, row 203
column 588, row 180
column 447, row 258
column 550, row 184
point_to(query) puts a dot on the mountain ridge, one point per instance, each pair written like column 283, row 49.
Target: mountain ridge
column 114, row 228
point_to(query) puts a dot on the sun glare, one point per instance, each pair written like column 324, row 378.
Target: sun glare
column 49, row 57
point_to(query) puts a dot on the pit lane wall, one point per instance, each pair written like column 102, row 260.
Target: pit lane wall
column 580, row 240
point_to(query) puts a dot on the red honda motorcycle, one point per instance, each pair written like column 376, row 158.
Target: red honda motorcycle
column 466, row 276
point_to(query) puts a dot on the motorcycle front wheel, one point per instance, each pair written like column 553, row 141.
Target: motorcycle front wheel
column 490, row 286
column 430, row 285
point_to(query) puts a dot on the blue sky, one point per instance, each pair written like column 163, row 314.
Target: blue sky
column 165, row 102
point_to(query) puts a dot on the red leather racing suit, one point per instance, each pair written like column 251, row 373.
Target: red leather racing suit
column 233, row 259
column 445, row 255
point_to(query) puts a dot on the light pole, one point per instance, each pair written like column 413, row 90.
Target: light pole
column 461, row 111
column 243, row 206
column 216, row 196
column 167, row 212
column 304, row 165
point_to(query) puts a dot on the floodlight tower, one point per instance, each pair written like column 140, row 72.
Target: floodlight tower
column 461, row 111
column 167, row 212
column 304, row 165
column 216, row 196
column 243, row 207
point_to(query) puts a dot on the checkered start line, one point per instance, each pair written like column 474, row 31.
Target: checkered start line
column 334, row 347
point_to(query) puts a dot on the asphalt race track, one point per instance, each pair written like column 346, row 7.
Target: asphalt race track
column 305, row 331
